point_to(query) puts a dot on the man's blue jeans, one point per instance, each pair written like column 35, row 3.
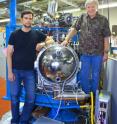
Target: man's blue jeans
column 90, row 72
column 28, row 80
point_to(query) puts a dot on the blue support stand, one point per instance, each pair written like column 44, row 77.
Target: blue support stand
column 64, row 115
column 9, row 28
column 59, row 111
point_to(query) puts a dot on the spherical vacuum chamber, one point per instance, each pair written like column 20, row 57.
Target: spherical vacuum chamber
column 57, row 64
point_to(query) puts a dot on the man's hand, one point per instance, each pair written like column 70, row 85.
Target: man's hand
column 11, row 76
column 71, row 33
column 39, row 46
column 105, row 57
column 64, row 43
column 106, row 49
column 47, row 42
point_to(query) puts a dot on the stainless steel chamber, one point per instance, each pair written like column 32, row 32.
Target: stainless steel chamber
column 56, row 64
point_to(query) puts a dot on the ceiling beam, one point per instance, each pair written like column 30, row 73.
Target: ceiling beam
column 69, row 3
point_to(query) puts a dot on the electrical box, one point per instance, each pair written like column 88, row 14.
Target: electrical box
column 102, row 108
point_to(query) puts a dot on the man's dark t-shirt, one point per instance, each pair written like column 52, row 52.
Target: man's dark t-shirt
column 24, row 44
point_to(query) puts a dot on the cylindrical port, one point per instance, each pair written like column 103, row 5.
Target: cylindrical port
column 58, row 79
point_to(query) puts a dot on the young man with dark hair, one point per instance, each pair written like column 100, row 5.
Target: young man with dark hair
column 21, row 54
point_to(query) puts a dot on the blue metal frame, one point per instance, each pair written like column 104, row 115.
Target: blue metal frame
column 9, row 28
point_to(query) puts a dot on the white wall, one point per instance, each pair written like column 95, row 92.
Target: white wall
column 2, row 57
column 112, row 15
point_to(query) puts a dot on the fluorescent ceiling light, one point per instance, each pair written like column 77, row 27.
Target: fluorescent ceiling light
column 66, row 11
column 70, row 10
column 110, row 5
column 4, row 20
column 2, row 0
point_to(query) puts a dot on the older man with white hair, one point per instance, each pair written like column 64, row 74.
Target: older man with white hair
column 93, row 44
